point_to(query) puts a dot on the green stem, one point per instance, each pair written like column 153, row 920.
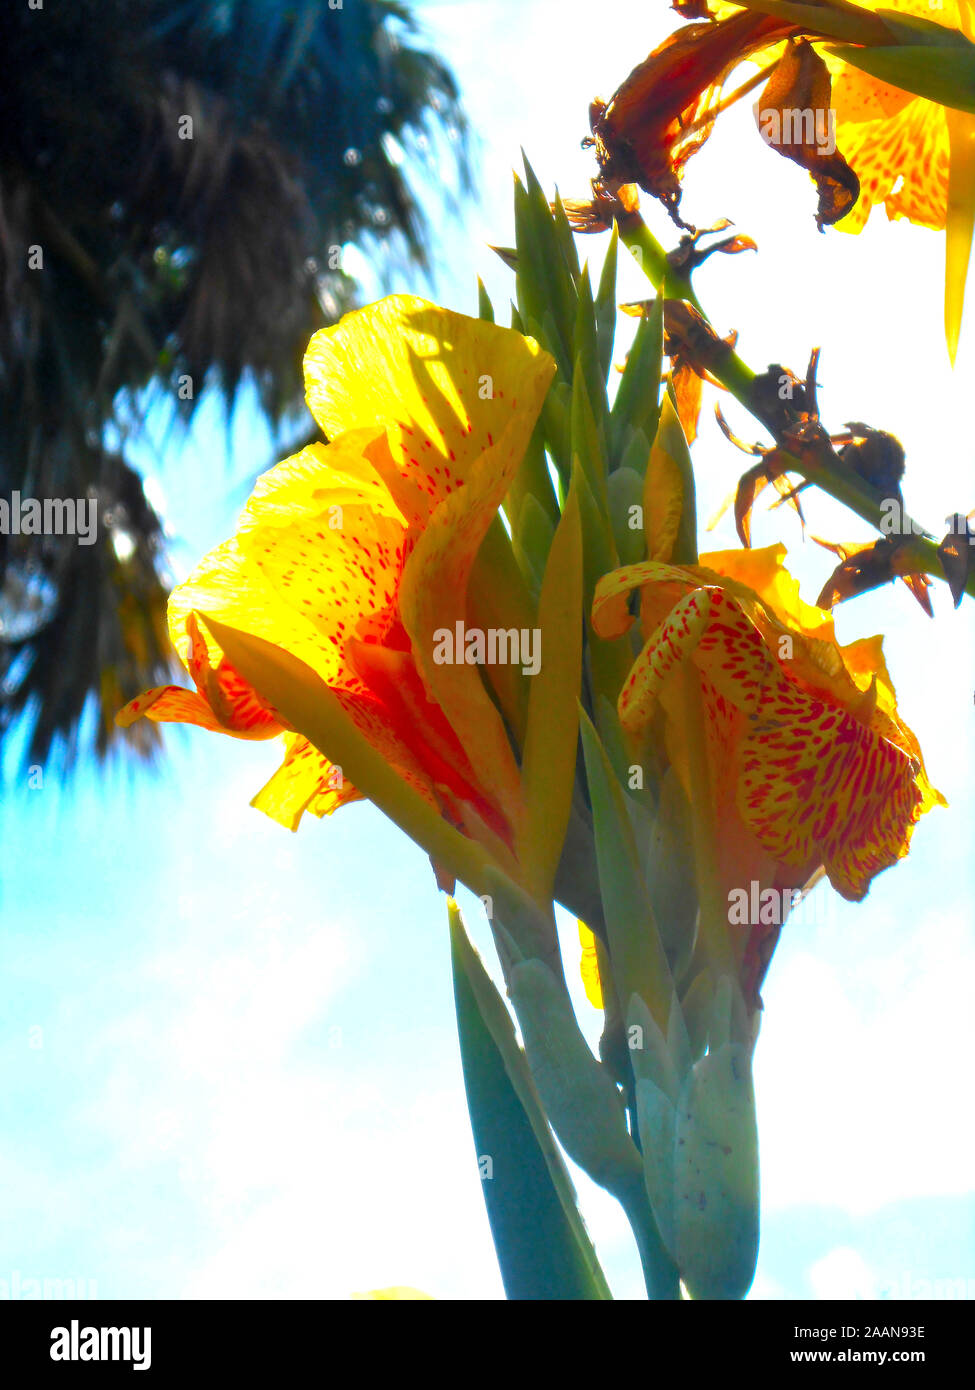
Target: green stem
column 660, row 1274
column 738, row 378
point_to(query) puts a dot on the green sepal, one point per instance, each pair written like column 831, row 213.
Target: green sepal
column 670, row 439
column 636, row 447
column 716, row 1192
column 625, row 488
column 580, row 1098
column 545, row 286
column 639, row 962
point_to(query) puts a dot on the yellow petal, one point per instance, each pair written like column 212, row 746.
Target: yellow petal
column 960, row 221
column 432, row 600
column 172, row 704
column 398, row 1293
column 443, row 385
column 305, row 781
column 818, row 786
column 315, row 711
column 611, row 616
column 589, row 967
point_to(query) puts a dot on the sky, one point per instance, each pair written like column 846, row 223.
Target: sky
column 228, row 1055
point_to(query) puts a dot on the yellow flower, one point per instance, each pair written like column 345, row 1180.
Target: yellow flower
column 896, row 142
column 350, row 558
column 809, row 768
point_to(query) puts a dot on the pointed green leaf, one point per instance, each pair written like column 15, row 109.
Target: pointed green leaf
column 566, row 240
column 636, row 406
column 485, row 309
column 585, row 347
column 532, row 541
column 606, row 305
column 541, row 1240
column 587, row 443
column 551, row 740
column 945, row 75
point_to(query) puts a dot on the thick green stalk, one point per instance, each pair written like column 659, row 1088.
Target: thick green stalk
column 738, row 378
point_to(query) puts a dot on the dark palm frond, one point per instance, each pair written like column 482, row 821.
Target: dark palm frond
column 188, row 174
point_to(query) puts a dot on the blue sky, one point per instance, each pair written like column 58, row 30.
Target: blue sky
column 228, row 1059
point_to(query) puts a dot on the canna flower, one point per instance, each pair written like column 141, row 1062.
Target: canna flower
column 870, row 138
column 350, row 557
column 809, row 768
column 896, row 141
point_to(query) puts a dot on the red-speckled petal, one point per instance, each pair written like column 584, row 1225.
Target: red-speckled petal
column 817, row 784
column 171, row 704
column 433, row 598
column 443, row 385
column 305, row 781
column 611, row 615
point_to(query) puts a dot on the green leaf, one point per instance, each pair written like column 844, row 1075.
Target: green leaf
column 543, row 1248
column 485, row 309
column 636, row 406
column 532, row 540
column 945, row 75
column 546, row 292
column 586, row 352
column 552, row 737
column 606, row 304
column 566, row 240
column 639, row 962
column 909, row 28
column 587, row 442
column 838, row 19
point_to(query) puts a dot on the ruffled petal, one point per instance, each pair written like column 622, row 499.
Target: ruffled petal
column 305, row 781
column 172, row 704
column 444, row 387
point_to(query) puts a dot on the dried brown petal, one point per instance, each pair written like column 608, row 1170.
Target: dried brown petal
column 868, row 566
column 604, row 208
column 688, row 389
column 798, row 95
column 659, row 116
column 957, row 555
